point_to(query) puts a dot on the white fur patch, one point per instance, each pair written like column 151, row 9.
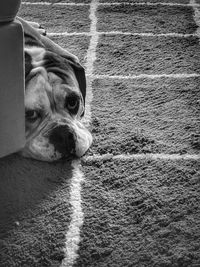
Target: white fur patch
column 83, row 139
column 37, row 55
column 41, row 149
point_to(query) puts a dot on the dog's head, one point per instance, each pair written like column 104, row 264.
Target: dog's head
column 54, row 105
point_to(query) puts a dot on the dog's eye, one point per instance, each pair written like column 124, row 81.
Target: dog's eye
column 31, row 115
column 72, row 103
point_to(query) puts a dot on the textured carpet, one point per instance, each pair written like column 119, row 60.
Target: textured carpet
column 134, row 198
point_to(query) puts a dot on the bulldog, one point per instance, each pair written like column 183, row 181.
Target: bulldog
column 55, row 91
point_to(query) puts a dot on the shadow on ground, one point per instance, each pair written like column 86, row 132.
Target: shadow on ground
column 34, row 211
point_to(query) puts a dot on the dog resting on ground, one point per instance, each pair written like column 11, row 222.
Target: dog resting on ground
column 55, row 91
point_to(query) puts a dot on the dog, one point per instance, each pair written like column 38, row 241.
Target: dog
column 55, row 92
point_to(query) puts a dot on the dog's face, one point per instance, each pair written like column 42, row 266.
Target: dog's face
column 54, row 105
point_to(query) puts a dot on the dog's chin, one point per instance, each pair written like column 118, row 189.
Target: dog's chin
column 40, row 148
column 43, row 151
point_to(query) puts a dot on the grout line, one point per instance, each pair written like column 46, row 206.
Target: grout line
column 147, row 76
column 114, row 3
column 172, row 34
column 128, row 157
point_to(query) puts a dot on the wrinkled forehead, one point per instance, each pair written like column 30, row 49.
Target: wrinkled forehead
column 70, row 71
column 47, row 76
column 36, row 57
column 36, row 92
column 47, row 92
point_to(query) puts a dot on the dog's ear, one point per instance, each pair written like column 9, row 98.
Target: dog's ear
column 80, row 76
column 28, row 64
column 71, row 59
column 28, row 67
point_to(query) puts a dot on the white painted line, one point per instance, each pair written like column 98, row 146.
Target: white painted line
column 91, row 57
column 143, row 34
column 110, row 4
column 129, row 157
column 51, row 34
column 149, row 34
column 73, row 234
column 196, row 16
column 147, row 76
column 147, row 4
column 91, row 53
column 53, row 4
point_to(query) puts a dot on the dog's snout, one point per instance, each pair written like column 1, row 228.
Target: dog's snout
column 63, row 140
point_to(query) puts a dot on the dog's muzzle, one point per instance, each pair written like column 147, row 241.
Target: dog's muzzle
column 63, row 139
column 58, row 140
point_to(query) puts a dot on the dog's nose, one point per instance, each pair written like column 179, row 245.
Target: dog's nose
column 63, row 140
